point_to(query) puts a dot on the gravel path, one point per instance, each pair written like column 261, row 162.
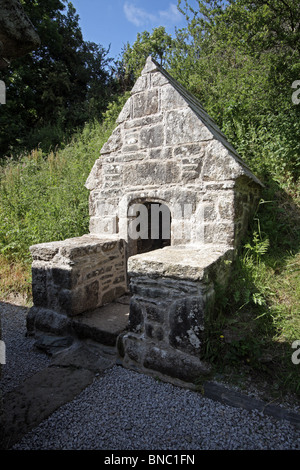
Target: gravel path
column 22, row 358
column 125, row 410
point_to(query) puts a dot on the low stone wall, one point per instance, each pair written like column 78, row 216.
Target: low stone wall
column 173, row 291
column 78, row 274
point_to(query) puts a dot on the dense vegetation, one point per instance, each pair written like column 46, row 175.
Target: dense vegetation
column 241, row 59
column 58, row 87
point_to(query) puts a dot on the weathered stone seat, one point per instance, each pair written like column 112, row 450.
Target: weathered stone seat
column 194, row 263
column 78, row 274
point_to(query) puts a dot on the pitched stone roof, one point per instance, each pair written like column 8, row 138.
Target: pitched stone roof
column 197, row 108
column 159, row 116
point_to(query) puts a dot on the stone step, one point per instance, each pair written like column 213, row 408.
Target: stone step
column 103, row 324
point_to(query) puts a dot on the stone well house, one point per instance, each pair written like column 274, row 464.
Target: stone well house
column 170, row 200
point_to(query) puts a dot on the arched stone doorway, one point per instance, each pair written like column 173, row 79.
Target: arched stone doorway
column 149, row 226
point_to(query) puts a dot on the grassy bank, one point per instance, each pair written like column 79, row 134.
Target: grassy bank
column 258, row 316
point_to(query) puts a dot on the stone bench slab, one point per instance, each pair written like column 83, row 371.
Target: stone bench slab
column 184, row 262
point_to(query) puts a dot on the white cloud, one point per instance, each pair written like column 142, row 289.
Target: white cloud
column 172, row 15
column 141, row 17
column 137, row 16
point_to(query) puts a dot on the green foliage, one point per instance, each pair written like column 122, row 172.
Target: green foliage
column 257, row 316
column 240, row 58
column 114, row 108
column 43, row 198
column 58, row 87
column 158, row 44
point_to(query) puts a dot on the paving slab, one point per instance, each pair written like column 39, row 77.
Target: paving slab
column 103, row 324
column 37, row 398
column 71, row 370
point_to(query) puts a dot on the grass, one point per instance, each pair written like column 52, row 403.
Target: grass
column 286, row 299
column 15, row 279
column 43, row 198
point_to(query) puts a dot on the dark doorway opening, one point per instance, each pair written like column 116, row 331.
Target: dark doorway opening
column 158, row 233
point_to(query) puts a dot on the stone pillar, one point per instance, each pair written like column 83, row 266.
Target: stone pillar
column 173, row 292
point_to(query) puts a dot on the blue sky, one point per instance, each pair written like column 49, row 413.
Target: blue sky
column 116, row 22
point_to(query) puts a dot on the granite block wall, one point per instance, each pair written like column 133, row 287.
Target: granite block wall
column 79, row 274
